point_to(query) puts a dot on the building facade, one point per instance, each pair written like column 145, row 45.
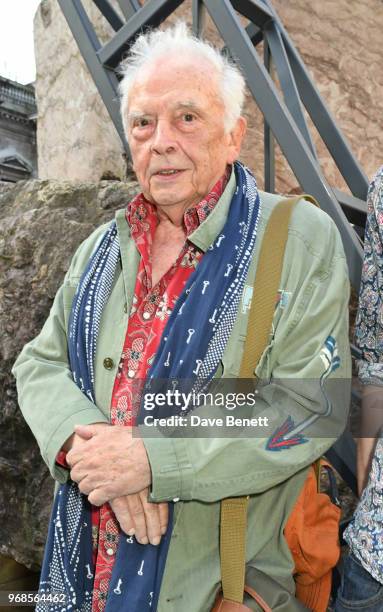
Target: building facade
column 18, row 112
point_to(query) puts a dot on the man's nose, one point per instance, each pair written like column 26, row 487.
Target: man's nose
column 164, row 140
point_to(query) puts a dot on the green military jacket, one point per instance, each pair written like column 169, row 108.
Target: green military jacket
column 196, row 473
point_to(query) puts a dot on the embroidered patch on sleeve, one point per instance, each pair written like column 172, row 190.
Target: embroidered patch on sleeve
column 291, row 433
column 284, row 437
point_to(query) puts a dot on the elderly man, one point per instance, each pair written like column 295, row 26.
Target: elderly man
column 163, row 292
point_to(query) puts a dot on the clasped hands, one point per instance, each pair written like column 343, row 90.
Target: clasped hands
column 110, row 465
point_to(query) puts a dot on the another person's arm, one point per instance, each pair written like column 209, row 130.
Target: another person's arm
column 369, row 331
column 371, row 421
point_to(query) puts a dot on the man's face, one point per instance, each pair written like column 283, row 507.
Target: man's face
column 176, row 132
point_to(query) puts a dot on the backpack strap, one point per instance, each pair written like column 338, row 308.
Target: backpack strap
column 266, row 285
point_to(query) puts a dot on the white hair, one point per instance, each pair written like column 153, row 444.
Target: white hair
column 173, row 42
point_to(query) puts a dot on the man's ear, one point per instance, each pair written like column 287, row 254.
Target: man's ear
column 236, row 137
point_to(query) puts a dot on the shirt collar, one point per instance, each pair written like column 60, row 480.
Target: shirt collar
column 205, row 234
column 195, row 215
column 140, row 211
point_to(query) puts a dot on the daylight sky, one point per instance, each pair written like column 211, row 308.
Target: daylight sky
column 17, row 61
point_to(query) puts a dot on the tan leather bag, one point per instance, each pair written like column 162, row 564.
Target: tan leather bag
column 225, row 605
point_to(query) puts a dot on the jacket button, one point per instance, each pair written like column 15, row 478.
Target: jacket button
column 108, row 363
column 125, row 307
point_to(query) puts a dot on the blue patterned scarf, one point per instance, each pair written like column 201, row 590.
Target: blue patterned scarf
column 191, row 347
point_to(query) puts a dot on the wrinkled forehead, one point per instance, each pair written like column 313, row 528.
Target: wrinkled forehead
column 190, row 80
column 173, row 66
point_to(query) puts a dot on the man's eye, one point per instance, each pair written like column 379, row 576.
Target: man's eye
column 188, row 117
column 141, row 122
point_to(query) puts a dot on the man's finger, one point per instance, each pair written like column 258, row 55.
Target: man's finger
column 138, row 516
column 81, row 452
column 152, row 518
column 74, row 456
column 163, row 510
column 96, row 479
column 77, row 474
column 121, row 511
column 69, row 459
column 98, row 497
column 85, row 485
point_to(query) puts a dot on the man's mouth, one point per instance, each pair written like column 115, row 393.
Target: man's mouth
column 168, row 172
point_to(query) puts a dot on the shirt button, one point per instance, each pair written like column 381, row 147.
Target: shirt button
column 109, row 551
column 108, row 363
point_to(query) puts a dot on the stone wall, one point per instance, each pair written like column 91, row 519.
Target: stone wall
column 339, row 41
column 41, row 225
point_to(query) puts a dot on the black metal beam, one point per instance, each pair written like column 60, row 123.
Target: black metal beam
column 256, row 11
column 129, row 7
column 287, row 81
column 109, row 13
column 255, row 34
column 355, row 208
column 106, row 81
column 80, row 25
column 149, row 16
column 197, row 17
column 289, row 138
column 268, row 138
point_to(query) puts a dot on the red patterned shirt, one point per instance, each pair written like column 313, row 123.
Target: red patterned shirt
column 149, row 314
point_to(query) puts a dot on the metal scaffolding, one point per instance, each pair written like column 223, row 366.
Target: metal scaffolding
column 284, row 111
